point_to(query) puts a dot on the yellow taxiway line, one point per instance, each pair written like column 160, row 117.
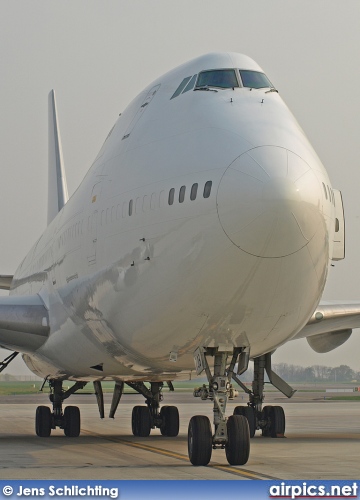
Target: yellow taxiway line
column 246, row 474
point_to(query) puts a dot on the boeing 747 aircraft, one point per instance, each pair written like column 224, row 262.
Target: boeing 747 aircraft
column 203, row 231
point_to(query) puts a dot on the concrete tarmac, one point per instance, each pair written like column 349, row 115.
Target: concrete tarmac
column 322, row 442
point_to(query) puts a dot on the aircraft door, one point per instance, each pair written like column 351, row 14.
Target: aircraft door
column 339, row 235
column 92, row 238
column 92, row 223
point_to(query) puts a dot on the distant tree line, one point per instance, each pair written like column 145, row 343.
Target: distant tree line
column 6, row 377
column 315, row 373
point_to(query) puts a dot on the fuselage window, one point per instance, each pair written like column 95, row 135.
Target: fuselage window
column 171, row 196
column 324, row 190
column 207, row 189
column 221, row 78
column 255, row 79
column 182, row 194
column 130, row 207
column 193, row 191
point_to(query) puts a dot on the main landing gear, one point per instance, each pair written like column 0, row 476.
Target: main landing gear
column 45, row 420
column 269, row 419
column 232, row 433
column 68, row 420
column 145, row 418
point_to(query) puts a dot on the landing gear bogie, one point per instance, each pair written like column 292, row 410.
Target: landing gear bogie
column 69, row 420
column 269, row 419
column 145, row 418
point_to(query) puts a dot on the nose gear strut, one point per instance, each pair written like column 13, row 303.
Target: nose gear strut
column 232, row 433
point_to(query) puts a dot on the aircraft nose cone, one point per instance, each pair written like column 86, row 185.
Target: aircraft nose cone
column 269, row 202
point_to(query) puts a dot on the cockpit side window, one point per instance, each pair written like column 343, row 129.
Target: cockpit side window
column 255, row 79
column 220, row 78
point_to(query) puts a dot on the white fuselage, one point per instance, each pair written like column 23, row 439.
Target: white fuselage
column 245, row 266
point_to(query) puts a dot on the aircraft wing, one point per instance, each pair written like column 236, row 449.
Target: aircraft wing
column 331, row 325
column 24, row 322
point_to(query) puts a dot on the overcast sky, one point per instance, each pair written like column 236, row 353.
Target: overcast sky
column 98, row 54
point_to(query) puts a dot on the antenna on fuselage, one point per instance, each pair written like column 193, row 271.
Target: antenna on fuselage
column 57, row 187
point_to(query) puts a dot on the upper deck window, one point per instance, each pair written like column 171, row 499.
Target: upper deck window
column 220, row 78
column 255, row 79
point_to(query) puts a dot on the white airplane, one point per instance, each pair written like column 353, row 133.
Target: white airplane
column 204, row 230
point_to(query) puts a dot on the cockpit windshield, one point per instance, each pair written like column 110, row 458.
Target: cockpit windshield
column 221, row 78
column 254, row 79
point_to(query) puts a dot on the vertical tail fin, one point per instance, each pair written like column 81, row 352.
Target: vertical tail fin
column 57, row 187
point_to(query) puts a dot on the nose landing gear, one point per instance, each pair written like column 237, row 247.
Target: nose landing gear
column 231, row 434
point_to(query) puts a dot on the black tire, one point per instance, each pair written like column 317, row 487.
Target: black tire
column 170, row 421
column 72, row 421
column 199, row 440
column 237, row 448
column 266, row 417
column 249, row 413
column 164, row 418
column 141, row 421
column 43, row 421
column 277, row 419
column 135, row 420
